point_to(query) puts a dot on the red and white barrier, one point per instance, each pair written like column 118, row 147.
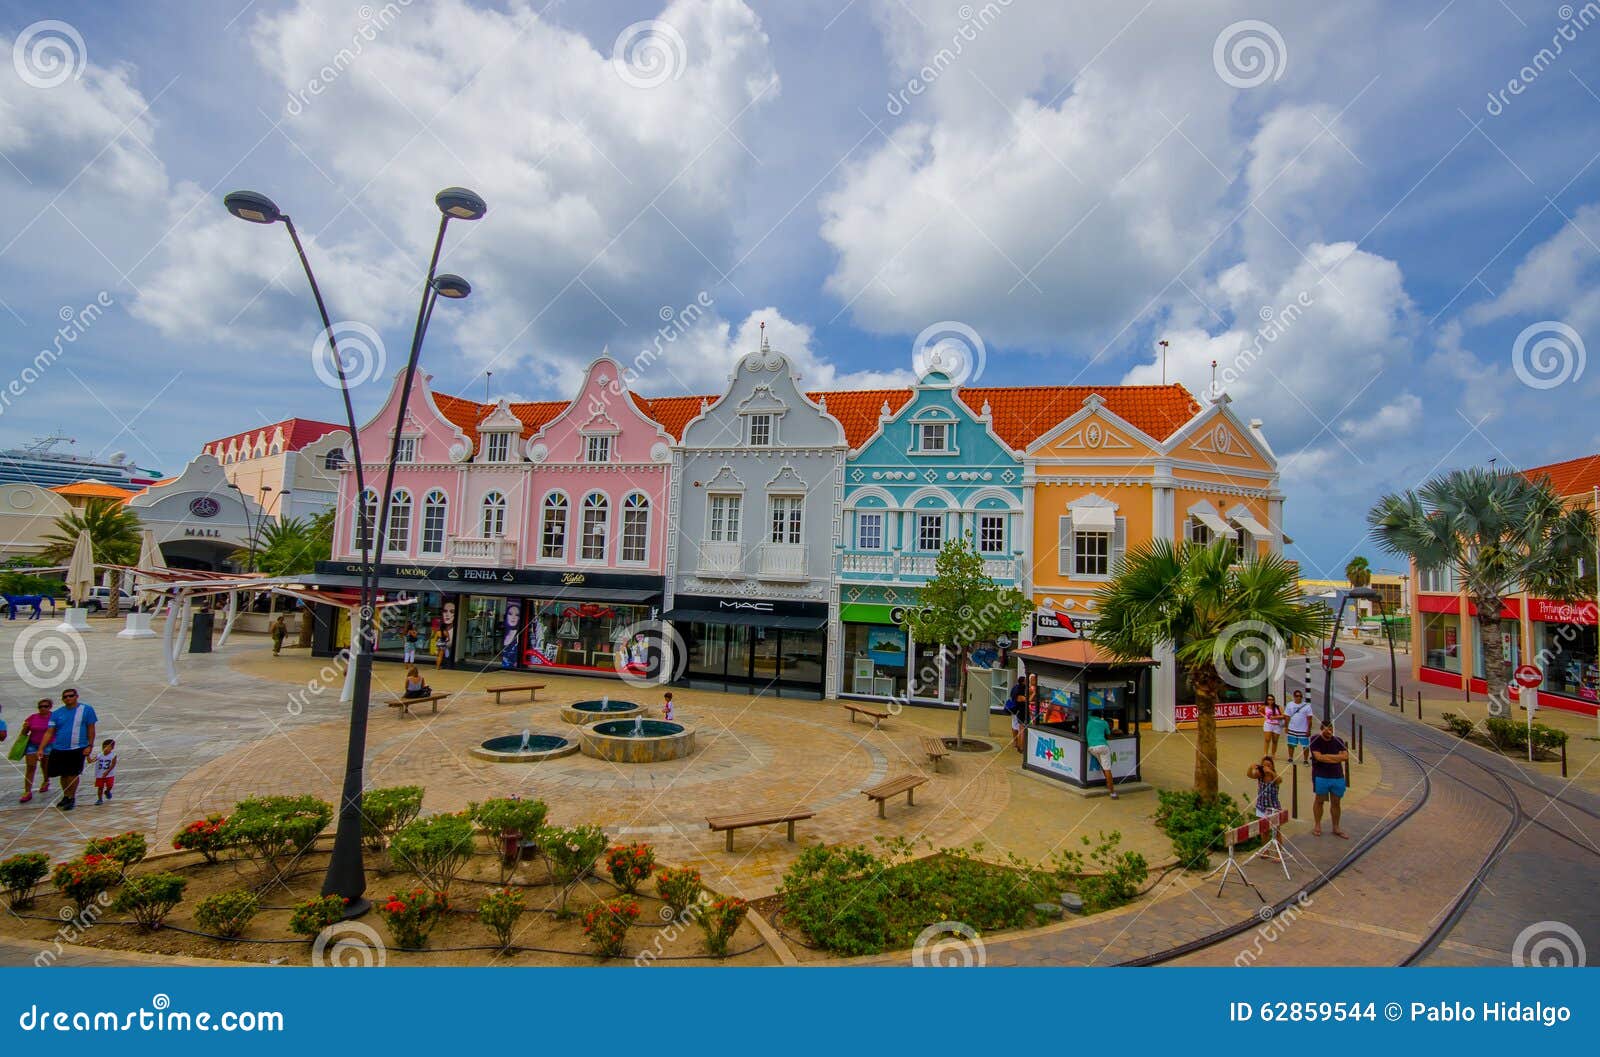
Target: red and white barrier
column 1261, row 827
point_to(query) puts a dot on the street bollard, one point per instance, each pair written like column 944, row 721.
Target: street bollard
column 1563, row 759
column 1352, row 727
column 1366, row 688
column 1294, row 789
column 1361, row 744
column 1419, row 704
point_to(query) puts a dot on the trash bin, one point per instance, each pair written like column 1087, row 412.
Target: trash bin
column 200, row 632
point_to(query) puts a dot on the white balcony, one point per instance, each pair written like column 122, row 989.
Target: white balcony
column 868, row 564
column 497, row 552
column 911, row 567
column 783, row 561
column 720, row 559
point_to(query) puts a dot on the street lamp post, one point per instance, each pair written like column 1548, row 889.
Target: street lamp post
column 346, row 874
column 1365, row 594
column 253, row 525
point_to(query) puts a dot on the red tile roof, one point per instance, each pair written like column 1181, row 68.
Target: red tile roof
column 1575, row 477
column 297, row 433
column 1021, row 414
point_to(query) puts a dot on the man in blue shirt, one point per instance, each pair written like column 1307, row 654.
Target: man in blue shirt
column 1097, row 733
column 68, row 741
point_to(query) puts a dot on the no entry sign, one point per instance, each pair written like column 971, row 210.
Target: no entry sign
column 1528, row 675
column 1332, row 657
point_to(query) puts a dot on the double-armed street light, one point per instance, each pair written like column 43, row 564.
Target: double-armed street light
column 1360, row 594
column 346, row 875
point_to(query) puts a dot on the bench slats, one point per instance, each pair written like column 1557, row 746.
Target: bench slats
column 905, row 783
column 730, row 823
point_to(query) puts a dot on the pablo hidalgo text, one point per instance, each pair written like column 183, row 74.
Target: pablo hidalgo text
column 1490, row 1013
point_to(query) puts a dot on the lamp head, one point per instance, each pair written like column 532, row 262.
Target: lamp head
column 252, row 206
column 451, row 286
column 459, row 203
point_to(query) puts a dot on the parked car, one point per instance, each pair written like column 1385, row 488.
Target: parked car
column 100, row 599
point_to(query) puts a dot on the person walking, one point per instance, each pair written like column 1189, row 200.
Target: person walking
column 1096, row 734
column 1299, row 717
column 1017, row 708
column 1328, row 755
column 441, row 646
column 280, row 631
column 411, row 643
column 68, row 741
column 105, row 771
column 1271, row 725
column 30, row 737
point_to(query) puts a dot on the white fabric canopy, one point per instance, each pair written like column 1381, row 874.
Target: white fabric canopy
column 1094, row 519
column 150, row 560
column 1251, row 525
column 1208, row 517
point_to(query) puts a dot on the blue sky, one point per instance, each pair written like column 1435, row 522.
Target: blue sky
column 1071, row 181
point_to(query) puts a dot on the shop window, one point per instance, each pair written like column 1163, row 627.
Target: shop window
column 493, row 521
column 398, row 538
column 991, row 533
column 723, row 524
column 786, row 518
column 1570, row 661
column 592, row 534
column 553, row 527
column 758, row 431
column 366, row 517
column 1441, row 641
column 635, row 528
column 406, row 450
column 497, row 447
column 1510, row 645
column 869, row 532
column 597, row 448
column 435, row 510
column 930, row 532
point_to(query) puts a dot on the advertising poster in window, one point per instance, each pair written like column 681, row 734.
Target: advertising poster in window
column 887, row 646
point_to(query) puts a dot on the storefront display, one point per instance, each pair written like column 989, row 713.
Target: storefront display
column 1569, row 657
column 1441, row 641
column 1077, row 681
column 769, row 646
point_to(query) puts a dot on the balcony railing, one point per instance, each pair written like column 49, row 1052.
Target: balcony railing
column 497, row 551
column 783, row 561
column 889, row 565
column 720, row 559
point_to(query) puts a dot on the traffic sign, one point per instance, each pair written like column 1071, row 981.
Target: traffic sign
column 1528, row 675
column 1332, row 657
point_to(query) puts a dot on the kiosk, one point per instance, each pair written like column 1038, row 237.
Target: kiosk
column 1077, row 678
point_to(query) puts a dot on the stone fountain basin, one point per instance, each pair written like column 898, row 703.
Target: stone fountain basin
column 584, row 713
column 614, row 740
column 508, row 748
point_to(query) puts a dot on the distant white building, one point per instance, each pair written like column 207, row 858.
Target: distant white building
column 298, row 456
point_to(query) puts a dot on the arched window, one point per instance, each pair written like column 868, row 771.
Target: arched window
column 553, row 527
column 494, row 515
column 435, row 510
column 635, row 528
column 592, row 537
column 334, row 460
column 361, row 527
column 398, row 537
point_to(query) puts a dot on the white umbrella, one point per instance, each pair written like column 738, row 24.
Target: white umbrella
column 80, row 571
column 149, row 561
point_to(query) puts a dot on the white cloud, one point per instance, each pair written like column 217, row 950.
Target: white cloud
column 1559, row 277
column 1388, row 423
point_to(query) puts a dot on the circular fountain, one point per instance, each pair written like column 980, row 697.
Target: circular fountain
column 585, row 712
column 526, row 747
column 638, row 740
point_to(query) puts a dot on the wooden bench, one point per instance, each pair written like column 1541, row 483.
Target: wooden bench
column 499, row 691
column 906, row 783
column 729, row 823
column 862, row 710
column 936, row 750
column 404, row 703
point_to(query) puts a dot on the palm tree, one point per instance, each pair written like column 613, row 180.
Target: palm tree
column 1358, row 572
column 113, row 540
column 1227, row 619
column 1499, row 532
column 290, row 545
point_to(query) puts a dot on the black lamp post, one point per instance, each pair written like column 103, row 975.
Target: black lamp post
column 253, row 525
column 346, row 875
column 1365, row 594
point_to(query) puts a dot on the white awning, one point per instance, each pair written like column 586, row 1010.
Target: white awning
column 1094, row 519
column 1251, row 525
column 1211, row 520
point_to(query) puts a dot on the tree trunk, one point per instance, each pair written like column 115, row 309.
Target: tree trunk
column 1205, row 743
column 961, row 696
column 114, row 599
column 1492, row 650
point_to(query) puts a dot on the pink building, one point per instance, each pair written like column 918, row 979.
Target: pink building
column 533, row 533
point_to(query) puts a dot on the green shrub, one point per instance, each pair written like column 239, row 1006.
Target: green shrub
column 1460, row 726
column 84, row 879
column 275, row 827
column 572, row 852
column 312, row 915
column 412, row 915
column 126, row 848
column 509, row 814
column 1118, row 874
column 203, row 835
column 1506, row 733
column 679, row 888
column 630, row 865
column 500, row 911
column 606, row 925
column 434, row 848
column 150, row 898
column 228, row 913
column 385, row 811
column 1548, row 737
column 20, row 876
column 720, row 921
column 1196, row 824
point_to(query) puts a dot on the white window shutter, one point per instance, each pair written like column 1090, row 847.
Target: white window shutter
column 1119, row 543
column 1064, row 548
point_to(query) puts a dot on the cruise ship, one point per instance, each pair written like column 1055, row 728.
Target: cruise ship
column 39, row 463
